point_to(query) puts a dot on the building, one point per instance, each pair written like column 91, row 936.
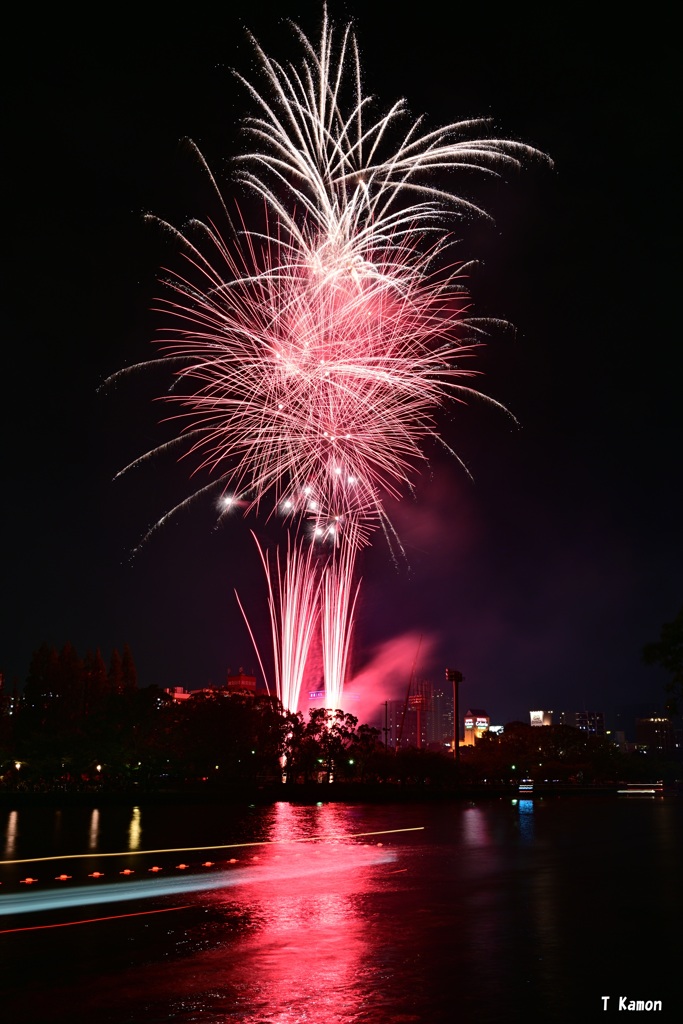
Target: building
column 394, row 718
column 440, row 721
column 240, row 682
column 423, row 719
column 476, row 722
column 591, row 722
column 317, row 700
column 656, row 735
column 618, row 738
column 235, row 682
column 178, row 693
column 408, row 722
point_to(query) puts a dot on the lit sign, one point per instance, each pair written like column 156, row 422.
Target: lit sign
column 482, row 723
column 469, row 723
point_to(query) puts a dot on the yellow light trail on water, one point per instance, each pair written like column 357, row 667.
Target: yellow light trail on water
column 195, row 849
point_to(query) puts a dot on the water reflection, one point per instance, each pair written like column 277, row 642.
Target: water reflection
column 134, row 830
column 94, row 830
column 308, row 938
column 11, row 834
column 471, row 922
column 475, row 830
column 526, row 820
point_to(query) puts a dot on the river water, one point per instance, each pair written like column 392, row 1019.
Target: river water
column 488, row 911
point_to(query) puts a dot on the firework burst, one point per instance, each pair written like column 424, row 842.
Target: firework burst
column 319, row 146
column 312, row 356
column 315, row 389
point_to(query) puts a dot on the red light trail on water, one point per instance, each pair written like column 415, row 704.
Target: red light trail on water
column 92, row 920
column 325, row 855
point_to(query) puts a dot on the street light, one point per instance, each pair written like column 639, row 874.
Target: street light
column 454, row 676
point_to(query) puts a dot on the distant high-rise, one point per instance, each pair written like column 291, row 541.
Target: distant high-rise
column 656, row 735
column 424, row 719
column 476, row 723
column 591, row 722
column 440, row 722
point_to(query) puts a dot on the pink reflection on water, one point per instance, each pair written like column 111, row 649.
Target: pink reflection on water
column 308, row 941
column 475, row 827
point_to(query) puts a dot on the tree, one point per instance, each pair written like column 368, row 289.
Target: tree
column 668, row 652
column 115, row 673
column 41, row 681
column 128, row 670
column 227, row 737
column 366, row 754
column 95, row 683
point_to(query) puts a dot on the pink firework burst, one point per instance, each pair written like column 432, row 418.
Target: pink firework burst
column 312, row 388
column 312, row 356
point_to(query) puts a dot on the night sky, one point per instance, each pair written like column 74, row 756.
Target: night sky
column 543, row 575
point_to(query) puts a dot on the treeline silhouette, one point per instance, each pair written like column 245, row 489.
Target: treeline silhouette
column 82, row 725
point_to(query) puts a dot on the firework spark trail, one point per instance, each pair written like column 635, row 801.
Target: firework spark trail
column 338, row 606
column 294, row 611
column 307, row 590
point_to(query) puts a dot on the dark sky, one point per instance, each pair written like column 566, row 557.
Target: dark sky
column 542, row 576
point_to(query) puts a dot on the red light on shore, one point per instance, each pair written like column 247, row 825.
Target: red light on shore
column 28, row 881
column 97, row 874
column 156, row 869
column 208, row 864
column 181, row 867
column 62, row 878
column 127, row 871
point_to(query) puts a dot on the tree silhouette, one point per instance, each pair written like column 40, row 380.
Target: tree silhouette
column 128, row 670
column 668, row 652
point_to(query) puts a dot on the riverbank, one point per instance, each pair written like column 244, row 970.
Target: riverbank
column 302, row 793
